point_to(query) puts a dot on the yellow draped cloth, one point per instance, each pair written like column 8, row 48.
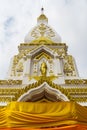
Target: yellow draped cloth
column 42, row 115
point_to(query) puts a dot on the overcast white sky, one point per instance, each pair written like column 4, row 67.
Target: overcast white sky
column 67, row 17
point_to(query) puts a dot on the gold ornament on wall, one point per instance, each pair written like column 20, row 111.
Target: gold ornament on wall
column 43, row 68
column 19, row 67
column 69, row 66
column 42, row 30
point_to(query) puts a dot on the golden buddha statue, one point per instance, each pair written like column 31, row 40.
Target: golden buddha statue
column 43, row 68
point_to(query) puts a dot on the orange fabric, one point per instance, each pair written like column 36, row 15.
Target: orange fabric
column 71, row 127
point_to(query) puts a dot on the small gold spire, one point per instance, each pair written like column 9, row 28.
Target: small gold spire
column 42, row 17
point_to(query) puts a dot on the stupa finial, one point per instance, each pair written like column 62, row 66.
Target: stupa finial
column 42, row 18
column 42, row 10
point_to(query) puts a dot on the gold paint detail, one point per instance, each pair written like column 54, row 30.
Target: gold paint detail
column 41, row 31
column 44, row 100
column 19, row 67
column 5, row 99
column 14, row 93
column 42, row 17
column 10, row 82
column 22, row 45
column 38, row 78
column 42, row 55
column 18, row 64
column 76, row 81
column 43, row 68
column 42, row 40
column 61, row 52
column 69, row 69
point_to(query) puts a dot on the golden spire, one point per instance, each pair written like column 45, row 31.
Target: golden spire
column 42, row 17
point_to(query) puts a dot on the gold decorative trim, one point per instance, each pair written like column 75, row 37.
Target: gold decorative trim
column 41, row 31
column 76, row 81
column 10, row 82
column 43, row 55
column 69, row 69
column 15, row 93
column 42, row 17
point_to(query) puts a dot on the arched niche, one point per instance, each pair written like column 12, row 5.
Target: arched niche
column 43, row 93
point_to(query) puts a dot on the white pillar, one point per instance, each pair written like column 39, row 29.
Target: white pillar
column 9, row 74
column 26, row 72
column 57, row 68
